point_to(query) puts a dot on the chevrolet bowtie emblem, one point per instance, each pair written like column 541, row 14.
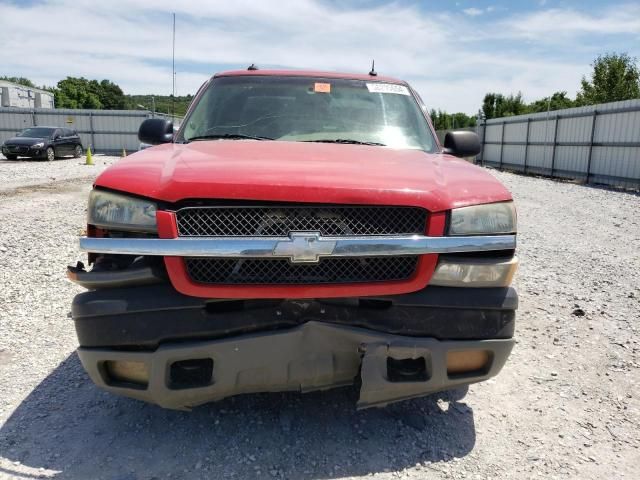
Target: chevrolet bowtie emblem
column 304, row 247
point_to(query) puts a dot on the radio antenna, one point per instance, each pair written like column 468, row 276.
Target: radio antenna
column 373, row 72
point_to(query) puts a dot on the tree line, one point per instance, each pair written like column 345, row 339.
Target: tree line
column 614, row 77
column 79, row 92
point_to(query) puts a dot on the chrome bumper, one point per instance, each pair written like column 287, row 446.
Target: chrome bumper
column 299, row 248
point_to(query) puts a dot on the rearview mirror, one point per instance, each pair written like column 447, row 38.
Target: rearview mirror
column 155, row 131
column 462, row 144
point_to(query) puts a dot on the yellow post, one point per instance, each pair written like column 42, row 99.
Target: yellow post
column 89, row 159
column 124, row 152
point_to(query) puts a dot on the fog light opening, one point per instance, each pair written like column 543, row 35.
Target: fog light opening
column 192, row 373
column 407, row 370
column 126, row 374
column 468, row 363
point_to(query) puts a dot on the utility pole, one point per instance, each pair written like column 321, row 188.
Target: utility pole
column 173, row 70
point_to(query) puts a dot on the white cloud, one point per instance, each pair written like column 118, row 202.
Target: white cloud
column 451, row 61
column 617, row 20
column 472, row 11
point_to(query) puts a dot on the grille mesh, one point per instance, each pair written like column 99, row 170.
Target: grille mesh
column 280, row 221
column 281, row 271
column 17, row 149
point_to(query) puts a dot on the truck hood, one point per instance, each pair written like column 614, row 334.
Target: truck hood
column 302, row 172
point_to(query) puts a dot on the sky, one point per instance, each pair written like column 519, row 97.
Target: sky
column 452, row 52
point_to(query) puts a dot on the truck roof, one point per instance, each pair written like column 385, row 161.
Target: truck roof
column 311, row 73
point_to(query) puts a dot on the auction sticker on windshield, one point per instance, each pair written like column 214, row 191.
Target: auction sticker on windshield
column 322, row 88
column 387, row 88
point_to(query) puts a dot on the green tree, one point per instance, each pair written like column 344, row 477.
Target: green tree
column 447, row 121
column 19, row 80
column 496, row 105
column 24, row 81
column 489, row 105
column 512, row 105
column 77, row 93
column 615, row 77
column 557, row 101
column 111, row 96
column 462, row 120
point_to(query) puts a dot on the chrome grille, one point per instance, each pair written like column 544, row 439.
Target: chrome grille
column 278, row 271
column 279, row 221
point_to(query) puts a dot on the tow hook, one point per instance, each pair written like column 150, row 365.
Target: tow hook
column 394, row 372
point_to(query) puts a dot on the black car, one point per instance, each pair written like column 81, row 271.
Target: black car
column 43, row 142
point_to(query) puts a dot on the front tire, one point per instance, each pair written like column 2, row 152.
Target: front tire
column 50, row 154
column 11, row 157
column 77, row 153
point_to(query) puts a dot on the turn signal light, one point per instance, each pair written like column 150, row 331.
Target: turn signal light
column 467, row 361
column 477, row 273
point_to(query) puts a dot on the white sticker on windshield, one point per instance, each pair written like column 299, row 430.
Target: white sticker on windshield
column 387, row 88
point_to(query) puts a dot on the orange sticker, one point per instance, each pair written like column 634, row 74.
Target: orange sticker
column 322, row 88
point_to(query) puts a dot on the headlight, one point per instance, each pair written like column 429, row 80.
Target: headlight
column 111, row 210
column 38, row 145
column 491, row 218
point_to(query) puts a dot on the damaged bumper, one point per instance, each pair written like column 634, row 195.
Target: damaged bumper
column 154, row 344
column 145, row 317
column 311, row 356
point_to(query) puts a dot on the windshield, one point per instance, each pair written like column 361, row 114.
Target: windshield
column 308, row 109
column 37, row 132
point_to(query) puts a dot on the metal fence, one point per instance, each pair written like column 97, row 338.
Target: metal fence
column 105, row 131
column 595, row 144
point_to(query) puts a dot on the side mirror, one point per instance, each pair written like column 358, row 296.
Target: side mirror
column 155, row 131
column 462, row 144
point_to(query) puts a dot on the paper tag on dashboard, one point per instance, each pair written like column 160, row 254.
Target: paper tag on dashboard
column 387, row 88
column 322, row 88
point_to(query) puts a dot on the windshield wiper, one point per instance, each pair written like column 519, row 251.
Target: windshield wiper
column 347, row 141
column 227, row 136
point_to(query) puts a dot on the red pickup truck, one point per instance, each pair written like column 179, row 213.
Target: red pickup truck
column 300, row 231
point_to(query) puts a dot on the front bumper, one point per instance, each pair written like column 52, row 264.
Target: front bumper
column 175, row 249
column 301, row 345
column 148, row 316
column 312, row 356
column 24, row 152
column 279, row 247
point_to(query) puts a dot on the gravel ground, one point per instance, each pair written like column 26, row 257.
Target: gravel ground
column 567, row 405
column 25, row 173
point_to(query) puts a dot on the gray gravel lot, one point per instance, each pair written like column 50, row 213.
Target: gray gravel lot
column 567, row 405
column 23, row 173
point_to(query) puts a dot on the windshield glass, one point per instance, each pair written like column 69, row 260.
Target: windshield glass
column 309, row 109
column 37, row 132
